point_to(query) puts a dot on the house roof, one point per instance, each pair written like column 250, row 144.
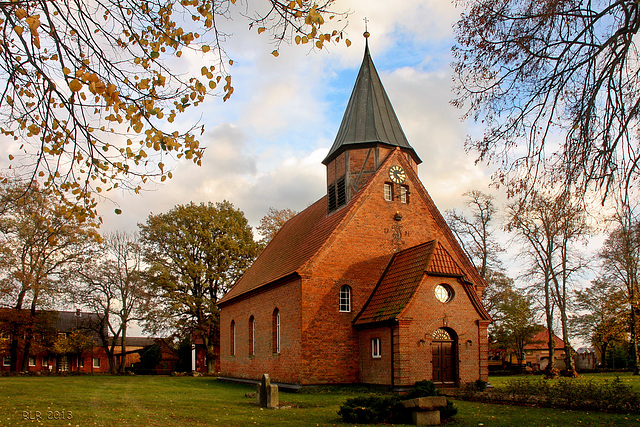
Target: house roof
column 369, row 117
column 401, row 279
column 541, row 341
column 291, row 248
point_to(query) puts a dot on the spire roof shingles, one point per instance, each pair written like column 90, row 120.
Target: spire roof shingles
column 369, row 117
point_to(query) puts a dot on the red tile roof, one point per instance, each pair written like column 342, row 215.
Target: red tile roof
column 541, row 341
column 291, row 248
column 401, row 279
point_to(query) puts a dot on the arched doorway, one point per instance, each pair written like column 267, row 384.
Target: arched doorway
column 443, row 357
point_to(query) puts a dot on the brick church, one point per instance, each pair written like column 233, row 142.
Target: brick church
column 368, row 284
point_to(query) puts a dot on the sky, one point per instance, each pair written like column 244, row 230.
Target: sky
column 266, row 143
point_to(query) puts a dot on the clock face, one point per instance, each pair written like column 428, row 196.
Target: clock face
column 396, row 174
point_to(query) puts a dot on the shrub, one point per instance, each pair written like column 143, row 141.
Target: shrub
column 422, row 389
column 565, row 392
column 477, row 385
column 369, row 410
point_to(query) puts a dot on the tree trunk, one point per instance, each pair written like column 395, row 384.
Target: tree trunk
column 568, row 359
column 634, row 338
column 549, row 316
column 123, row 349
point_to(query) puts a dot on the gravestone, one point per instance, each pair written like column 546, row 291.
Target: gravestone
column 267, row 393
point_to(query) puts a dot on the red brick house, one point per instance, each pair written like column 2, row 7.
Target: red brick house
column 368, row 284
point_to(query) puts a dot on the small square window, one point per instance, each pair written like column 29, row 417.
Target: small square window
column 32, row 361
column 6, row 360
column 375, row 348
column 388, row 192
column 96, row 362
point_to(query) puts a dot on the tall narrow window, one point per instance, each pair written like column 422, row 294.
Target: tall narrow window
column 404, row 194
column 375, row 348
column 232, row 336
column 344, row 299
column 388, row 192
column 252, row 336
column 276, row 331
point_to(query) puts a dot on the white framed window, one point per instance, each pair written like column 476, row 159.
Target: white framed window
column 6, row 360
column 80, row 362
column 32, row 361
column 276, row 331
column 404, row 194
column 96, row 362
column 45, row 361
column 344, row 299
column 388, row 192
column 376, row 352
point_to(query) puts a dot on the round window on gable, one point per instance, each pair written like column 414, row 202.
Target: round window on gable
column 443, row 293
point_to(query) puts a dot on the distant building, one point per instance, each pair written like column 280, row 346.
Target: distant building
column 58, row 325
column 368, row 284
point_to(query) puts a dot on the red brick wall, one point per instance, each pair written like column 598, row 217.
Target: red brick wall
column 376, row 370
column 325, row 348
column 424, row 315
column 283, row 367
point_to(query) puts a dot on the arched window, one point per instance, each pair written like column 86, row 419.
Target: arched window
column 344, row 299
column 252, row 336
column 275, row 334
column 232, row 336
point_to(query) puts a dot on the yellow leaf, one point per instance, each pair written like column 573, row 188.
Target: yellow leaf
column 10, row 157
column 261, row 30
column 231, row 62
column 18, row 29
column 205, row 48
column 298, row 39
column 66, row 71
column 348, row 42
column 21, row 13
column 275, row 53
column 75, row 85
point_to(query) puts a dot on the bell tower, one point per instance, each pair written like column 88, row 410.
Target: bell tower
column 369, row 132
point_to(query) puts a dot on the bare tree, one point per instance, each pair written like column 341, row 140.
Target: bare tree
column 554, row 82
column 550, row 226
column 113, row 288
column 476, row 232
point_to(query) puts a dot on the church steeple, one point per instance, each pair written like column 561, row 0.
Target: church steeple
column 369, row 132
column 369, row 117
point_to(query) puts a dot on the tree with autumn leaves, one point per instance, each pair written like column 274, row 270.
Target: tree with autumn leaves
column 195, row 253
column 41, row 238
column 89, row 92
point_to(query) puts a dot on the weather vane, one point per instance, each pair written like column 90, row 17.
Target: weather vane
column 366, row 31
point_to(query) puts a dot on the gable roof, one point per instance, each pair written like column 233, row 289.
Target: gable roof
column 291, row 248
column 401, row 279
column 541, row 341
column 369, row 116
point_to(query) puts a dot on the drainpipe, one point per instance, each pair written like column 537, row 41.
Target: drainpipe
column 392, row 358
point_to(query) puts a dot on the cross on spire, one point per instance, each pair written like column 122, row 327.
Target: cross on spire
column 366, row 32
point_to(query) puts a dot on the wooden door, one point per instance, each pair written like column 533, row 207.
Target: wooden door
column 443, row 360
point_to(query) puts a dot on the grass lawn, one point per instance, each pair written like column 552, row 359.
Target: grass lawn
column 187, row 401
column 626, row 377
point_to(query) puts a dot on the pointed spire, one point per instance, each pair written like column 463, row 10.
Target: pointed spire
column 369, row 117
